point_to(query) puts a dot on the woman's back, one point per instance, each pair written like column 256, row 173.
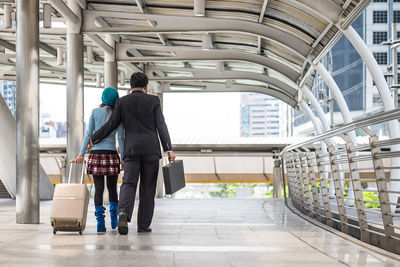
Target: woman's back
column 97, row 119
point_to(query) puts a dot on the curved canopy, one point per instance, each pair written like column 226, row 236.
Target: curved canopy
column 258, row 43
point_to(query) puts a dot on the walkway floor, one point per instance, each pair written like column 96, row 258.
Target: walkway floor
column 186, row 232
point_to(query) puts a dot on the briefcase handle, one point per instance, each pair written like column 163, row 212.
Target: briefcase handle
column 70, row 170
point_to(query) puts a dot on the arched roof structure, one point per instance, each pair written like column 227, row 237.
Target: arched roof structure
column 273, row 42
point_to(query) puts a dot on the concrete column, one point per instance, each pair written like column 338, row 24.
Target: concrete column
column 110, row 65
column 74, row 89
column 27, row 57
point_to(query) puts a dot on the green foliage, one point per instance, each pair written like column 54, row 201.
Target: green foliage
column 371, row 196
column 227, row 190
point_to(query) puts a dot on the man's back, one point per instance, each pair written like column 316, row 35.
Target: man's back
column 142, row 119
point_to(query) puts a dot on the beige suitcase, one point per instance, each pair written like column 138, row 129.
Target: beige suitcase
column 70, row 206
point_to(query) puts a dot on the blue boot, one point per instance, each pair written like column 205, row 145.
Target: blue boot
column 99, row 213
column 114, row 214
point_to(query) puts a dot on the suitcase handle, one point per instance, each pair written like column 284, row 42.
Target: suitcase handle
column 70, row 170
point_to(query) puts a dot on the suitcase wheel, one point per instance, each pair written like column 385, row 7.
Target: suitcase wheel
column 54, row 232
column 80, row 232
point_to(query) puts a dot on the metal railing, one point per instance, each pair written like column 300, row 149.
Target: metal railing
column 351, row 187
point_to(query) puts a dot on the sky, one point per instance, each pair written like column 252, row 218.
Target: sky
column 188, row 115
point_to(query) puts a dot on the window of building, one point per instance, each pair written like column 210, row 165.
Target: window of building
column 379, row 37
column 258, row 128
column 396, row 16
column 380, row 1
column 272, row 128
column 273, row 116
column 258, row 117
column 258, row 110
column 258, row 122
column 381, row 57
column 258, row 134
column 380, row 16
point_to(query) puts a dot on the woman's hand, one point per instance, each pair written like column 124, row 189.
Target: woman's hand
column 79, row 159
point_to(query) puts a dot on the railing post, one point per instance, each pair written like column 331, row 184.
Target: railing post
column 323, row 177
column 314, row 189
column 277, row 188
column 356, row 182
column 298, row 183
column 324, row 187
column 304, row 183
column 283, row 178
column 294, row 186
column 338, row 188
column 383, row 194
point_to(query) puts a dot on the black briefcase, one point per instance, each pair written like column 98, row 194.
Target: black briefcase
column 174, row 177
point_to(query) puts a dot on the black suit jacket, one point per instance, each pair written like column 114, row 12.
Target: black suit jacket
column 142, row 119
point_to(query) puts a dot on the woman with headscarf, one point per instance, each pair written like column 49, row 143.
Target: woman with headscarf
column 103, row 160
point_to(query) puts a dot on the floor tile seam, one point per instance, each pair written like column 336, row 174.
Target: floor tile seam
column 371, row 249
column 305, row 242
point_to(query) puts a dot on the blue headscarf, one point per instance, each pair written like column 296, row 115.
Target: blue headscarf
column 110, row 95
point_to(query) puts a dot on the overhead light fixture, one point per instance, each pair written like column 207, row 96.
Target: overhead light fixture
column 122, row 78
column 207, row 42
column 177, row 87
column 98, row 80
column 200, row 8
column 60, row 56
column 220, row 66
column 89, row 54
column 7, row 8
column 46, row 15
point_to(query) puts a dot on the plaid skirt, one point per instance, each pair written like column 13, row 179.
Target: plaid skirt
column 103, row 163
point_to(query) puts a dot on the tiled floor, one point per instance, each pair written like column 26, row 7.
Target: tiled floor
column 186, row 232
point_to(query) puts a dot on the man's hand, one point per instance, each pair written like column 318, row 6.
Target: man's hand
column 171, row 156
column 122, row 165
column 90, row 143
column 79, row 159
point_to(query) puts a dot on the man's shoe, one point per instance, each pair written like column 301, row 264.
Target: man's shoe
column 123, row 224
column 148, row 230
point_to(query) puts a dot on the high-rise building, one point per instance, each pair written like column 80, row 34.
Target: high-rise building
column 259, row 115
column 348, row 70
column 8, row 91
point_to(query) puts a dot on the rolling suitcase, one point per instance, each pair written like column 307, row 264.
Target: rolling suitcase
column 174, row 177
column 70, row 206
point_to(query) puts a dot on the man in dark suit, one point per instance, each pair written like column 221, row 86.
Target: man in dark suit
column 143, row 122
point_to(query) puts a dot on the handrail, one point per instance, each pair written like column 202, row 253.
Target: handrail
column 354, row 188
column 379, row 118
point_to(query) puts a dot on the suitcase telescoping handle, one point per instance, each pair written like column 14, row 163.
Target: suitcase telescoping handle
column 70, row 170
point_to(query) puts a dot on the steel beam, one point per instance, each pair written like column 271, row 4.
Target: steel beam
column 182, row 53
column 203, row 74
column 27, row 52
column 222, row 87
column 66, row 11
column 179, row 24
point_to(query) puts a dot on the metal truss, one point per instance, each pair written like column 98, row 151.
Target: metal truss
column 182, row 53
column 182, row 24
column 205, row 74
